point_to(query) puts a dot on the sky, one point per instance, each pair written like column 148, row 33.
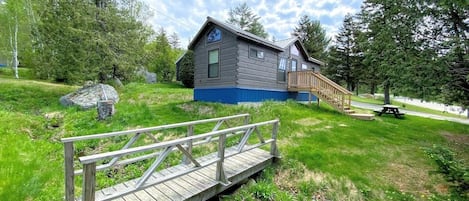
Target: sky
column 279, row 17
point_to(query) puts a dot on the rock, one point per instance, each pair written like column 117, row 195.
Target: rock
column 151, row 77
column 54, row 120
column 88, row 96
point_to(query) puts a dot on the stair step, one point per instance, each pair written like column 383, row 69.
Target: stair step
column 349, row 111
column 363, row 116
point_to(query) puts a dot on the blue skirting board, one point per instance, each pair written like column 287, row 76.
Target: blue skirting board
column 234, row 95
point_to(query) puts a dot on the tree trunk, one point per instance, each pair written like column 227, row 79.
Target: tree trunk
column 356, row 89
column 15, row 49
column 387, row 99
column 372, row 88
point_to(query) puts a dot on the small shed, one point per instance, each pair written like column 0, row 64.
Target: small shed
column 234, row 66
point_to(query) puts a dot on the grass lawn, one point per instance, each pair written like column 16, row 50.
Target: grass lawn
column 325, row 154
column 379, row 101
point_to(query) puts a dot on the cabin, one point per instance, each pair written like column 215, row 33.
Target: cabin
column 234, row 66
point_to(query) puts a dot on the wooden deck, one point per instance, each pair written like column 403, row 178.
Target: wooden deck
column 193, row 179
column 198, row 185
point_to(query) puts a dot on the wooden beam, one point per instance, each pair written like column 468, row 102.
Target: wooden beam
column 69, row 172
column 143, row 130
column 101, row 156
column 220, row 172
column 89, row 182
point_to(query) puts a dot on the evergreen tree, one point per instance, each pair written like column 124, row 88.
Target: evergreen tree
column 186, row 73
column 345, row 55
column 83, row 40
column 243, row 17
column 161, row 56
column 389, row 43
column 450, row 26
column 313, row 37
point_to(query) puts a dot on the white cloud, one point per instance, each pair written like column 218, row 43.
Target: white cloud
column 279, row 17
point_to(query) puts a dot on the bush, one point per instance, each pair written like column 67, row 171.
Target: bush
column 453, row 170
column 186, row 71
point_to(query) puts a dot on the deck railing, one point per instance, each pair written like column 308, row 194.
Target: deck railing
column 321, row 86
column 116, row 157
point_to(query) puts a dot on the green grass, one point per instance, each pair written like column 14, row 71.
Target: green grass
column 379, row 101
column 324, row 153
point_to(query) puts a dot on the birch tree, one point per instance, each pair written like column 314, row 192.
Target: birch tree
column 13, row 14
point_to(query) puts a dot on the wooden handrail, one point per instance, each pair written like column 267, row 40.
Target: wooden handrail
column 180, row 141
column 69, row 149
column 89, row 162
column 144, row 130
column 336, row 95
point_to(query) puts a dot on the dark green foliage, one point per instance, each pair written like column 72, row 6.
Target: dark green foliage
column 313, row 37
column 345, row 56
column 83, row 41
column 186, row 71
column 161, row 57
column 243, row 17
column 453, row 170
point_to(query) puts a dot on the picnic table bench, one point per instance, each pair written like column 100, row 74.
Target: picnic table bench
column 390, row 109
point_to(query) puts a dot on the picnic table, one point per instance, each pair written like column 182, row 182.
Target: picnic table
column 390, row 109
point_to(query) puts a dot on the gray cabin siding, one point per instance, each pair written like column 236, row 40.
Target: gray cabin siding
column 300, row 60
column 258, row 73
column 227, row 60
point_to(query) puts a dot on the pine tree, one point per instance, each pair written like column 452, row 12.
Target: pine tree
column 389, row 44
column 313, row 37
column 243, row 17
column 345, row 55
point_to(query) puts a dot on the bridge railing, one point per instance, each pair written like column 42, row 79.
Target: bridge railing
column 70, row 153
column 164, row 148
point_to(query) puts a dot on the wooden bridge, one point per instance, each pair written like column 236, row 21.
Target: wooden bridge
column 324, row 89
column 210, row 162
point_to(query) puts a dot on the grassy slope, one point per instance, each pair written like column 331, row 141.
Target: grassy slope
column 376, row 160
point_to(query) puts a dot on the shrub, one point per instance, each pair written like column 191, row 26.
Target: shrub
column 186, row 71
column 453, row 170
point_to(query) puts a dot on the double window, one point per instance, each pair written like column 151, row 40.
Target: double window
column 213, row 64
column 282, row 70
column 255, row 53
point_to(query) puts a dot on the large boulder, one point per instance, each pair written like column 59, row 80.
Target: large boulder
column 88, row 96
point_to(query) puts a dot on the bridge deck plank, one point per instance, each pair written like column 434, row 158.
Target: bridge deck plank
column 196, row 185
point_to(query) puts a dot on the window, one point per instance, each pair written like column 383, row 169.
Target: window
column 214, row 35
column 254, row 53
column 304, row 67
column 213, row 64
column 282, row 70
column 294, row 50
column 293, row 65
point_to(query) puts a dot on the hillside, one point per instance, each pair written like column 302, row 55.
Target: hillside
column 325, row 155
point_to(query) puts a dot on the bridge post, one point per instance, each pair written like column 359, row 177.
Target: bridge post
column 69, row 172
column 190, row 132
column 89, row 181
column 220, row 172
column 273, row 146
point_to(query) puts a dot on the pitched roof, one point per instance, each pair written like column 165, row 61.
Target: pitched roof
column 286, row 42
column 290, row 41
column 279, row 45
column 235, row 30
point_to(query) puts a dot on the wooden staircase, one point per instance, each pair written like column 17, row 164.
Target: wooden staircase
column 326, row 90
